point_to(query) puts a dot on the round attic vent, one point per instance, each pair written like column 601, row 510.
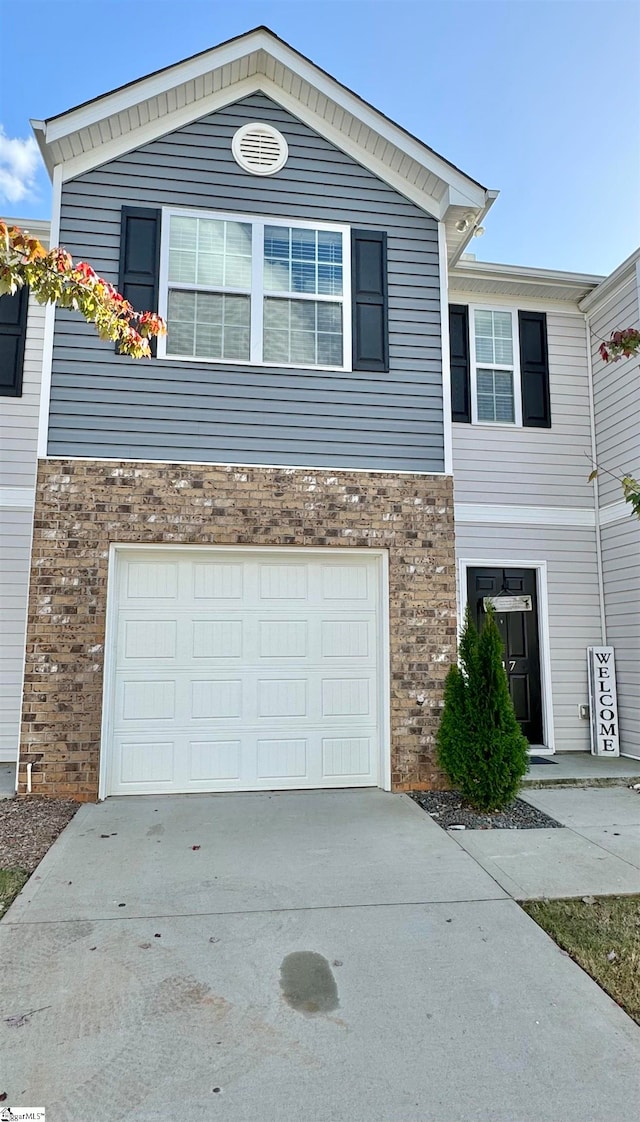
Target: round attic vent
column 260, row 149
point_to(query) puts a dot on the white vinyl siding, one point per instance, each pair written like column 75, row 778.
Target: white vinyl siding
column 574, row 616
column 621, row 570
column 15, row 544
column 18, row 462
column 616, row 393
column 532, row 466
column 241, row 289
column 617, row 409
column 19, row 415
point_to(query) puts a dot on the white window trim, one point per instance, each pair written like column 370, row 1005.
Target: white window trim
column 258, row 293
column 517, row 381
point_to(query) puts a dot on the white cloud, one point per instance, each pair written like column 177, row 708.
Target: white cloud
column 19, row 163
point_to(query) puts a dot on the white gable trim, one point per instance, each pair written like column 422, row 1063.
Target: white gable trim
column 133, row 116
column 180, row 118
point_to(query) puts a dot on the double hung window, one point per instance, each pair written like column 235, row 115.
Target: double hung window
column 259, row 291
column 495, row 367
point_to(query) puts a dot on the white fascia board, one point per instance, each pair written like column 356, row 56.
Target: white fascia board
column 153, row 85
column 516, row 298
column 490, row 270
column 40, row 131
column 490, row 198
column 515, row 515
column 473, row 194
column 608, row 286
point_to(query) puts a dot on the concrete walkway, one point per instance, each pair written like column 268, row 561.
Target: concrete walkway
column 597, row 854
column 326, row 956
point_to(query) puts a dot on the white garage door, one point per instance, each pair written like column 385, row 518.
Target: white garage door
column 243, row 672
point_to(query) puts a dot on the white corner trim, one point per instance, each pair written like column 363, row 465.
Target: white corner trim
column 615, row 512
column 447, row 420
column 49, row 325
column 514, row 515
column 17, row 498
column 540, row 567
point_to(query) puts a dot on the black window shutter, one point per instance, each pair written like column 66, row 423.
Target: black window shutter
column 13, row 329
column 534, row 370
column 140, row 257
column 460, row 368
column 370, row 319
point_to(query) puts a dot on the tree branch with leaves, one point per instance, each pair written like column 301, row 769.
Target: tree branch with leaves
column 54, row 278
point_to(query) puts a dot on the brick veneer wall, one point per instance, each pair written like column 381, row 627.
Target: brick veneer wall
column 84, row 505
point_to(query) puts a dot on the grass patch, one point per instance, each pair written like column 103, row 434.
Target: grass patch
column 11, row 881
column 603, row 937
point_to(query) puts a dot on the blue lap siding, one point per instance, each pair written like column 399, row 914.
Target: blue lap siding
column 105, row 405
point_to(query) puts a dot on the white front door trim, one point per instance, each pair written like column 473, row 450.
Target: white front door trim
column 540, row 568
column 117, row 550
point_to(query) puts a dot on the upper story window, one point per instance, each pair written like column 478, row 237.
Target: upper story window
column 499, row 366
column 259, row 291
column 494, row 367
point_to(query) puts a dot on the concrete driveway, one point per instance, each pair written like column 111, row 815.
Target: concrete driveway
column 326, row 956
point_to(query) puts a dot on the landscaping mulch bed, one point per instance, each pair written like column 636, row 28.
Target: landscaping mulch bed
column 448, row 809
column 29, row 827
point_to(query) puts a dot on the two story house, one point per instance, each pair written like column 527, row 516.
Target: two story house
column 245, row 573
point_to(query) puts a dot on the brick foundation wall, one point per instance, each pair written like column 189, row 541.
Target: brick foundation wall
column 82, row 506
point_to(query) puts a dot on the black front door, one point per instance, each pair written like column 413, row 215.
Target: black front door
column 519, row 631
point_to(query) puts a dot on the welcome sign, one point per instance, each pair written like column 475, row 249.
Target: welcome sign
column 605, row 738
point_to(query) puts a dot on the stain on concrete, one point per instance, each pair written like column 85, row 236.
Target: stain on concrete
column 307, row 983
column 154, row 831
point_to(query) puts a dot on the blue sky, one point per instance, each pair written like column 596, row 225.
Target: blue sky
column 538, row 98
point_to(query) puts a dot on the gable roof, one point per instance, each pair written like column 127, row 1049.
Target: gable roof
column 132, row 115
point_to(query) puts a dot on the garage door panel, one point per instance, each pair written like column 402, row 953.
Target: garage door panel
column 244, row 672
column 347, row 696
column 347, row 582
column 278, row 581
column 283, row 698
column 213, row 699
column 214, row 760
column 145, row 761
column 283, row 638
column 347, row 756
column 217, row 580
column 149, row 639
column 282, row 758
column 150, row 581
column 216, row 638
column 145, row 700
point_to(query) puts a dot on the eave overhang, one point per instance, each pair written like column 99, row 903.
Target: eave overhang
column 490, row 279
